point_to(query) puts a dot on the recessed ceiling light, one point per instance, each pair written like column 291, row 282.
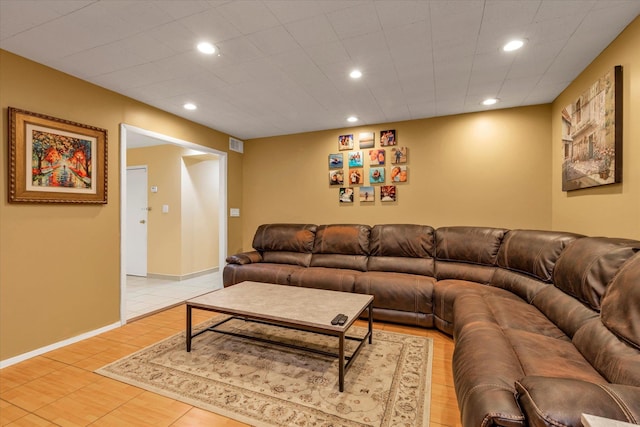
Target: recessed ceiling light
column 189, row 106
column 206, row 47
column 513, row 45
column 489, row 101
column 355, row 74
column 352, row 119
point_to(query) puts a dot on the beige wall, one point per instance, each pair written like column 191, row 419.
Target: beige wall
column 200, row 189
column 60, row 265
column 489, row 169
column 610, row 210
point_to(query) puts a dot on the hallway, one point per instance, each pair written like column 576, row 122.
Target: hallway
column 146, row 296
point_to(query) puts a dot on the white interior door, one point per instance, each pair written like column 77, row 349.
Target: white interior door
column 137, row 212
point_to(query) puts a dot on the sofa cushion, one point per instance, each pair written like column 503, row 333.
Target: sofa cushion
column 621, row 304
column 587, row 265
column 285, row 237
column 533, row 252
column 476, row 245
column 615, row 359
column 565, row 311
column 562, row 401
column 341, row 246
column 258, row 272
column 333, row 279
column 402, row 248
column 397, row 291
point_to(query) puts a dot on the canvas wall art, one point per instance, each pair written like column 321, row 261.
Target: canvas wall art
column 367, row 194
column 388, row 137
column 377, row 157
column 336, row 161
column 376, row 175
column 398, row 174
column 356, row 176
column 345, row 142
column 388, row 193
column 366, row 140
column 592, row 135
column 336, row 177
column 398, row 155
column 355, row 159
column 346, row 195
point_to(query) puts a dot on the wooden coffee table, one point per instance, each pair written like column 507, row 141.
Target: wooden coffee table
column 288, row 306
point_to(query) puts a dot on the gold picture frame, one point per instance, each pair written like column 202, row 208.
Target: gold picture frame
column 53, row 160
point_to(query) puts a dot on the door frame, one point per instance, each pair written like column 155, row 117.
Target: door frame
column 125, row 130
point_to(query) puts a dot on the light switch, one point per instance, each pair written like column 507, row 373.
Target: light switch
column 165, row 208
column 234, row 212
column 154, row 189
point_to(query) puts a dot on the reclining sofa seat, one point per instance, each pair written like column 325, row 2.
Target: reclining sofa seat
column 545, row 323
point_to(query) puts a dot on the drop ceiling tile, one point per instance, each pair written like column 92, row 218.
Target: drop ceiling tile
column 273, row 40
column 287, row 11
column 355, row 21
column 328, row 53
column 239, row 49
column 312, row 31
column 211, row 26
column 398, row 14
column 248, row 16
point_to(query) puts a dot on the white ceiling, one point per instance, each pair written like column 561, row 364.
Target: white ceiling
column 284, row 64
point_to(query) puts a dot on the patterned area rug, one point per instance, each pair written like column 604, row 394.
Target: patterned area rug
column 267, row 385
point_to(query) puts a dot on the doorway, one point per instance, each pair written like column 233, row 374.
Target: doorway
column 130, row 134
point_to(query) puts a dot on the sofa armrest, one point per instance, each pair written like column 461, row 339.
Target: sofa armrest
column 245, row 258
column 561, row 401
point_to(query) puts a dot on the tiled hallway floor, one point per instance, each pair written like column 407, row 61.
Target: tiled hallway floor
column 145, row 296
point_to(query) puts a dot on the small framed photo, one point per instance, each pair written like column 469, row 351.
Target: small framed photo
column 398, row 174
column 388, row 137
column 366, row 139
column 345, row 142
column 367, row 194
column 336, row 177
column 377, row 157
column 398, row 155
column 355, row 159
column 356, row 176
column 388, row 193
column 376, row 175
column 346, row 195
column 336, row 161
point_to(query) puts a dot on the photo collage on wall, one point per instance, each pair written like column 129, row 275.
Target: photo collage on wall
column 365, row 167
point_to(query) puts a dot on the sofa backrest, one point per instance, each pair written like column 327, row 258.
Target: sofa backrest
column 533, row 252
column 611, row 342
column 467, row 253
column 341, row 246
column 285, row 243
column 620, row 311
column 402, row 248
column 587, row 265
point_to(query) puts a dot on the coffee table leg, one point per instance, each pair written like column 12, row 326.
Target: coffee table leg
column 371, row 323
column 341, row 362
column 188, row 332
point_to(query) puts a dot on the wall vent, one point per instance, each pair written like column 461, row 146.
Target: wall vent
column 236, row 145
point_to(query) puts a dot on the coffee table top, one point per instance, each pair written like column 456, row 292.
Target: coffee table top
column 291, row 304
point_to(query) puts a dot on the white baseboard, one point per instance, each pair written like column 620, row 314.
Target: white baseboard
column 184, row 276
column 55, row 346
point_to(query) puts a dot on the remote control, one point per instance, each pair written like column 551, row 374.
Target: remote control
column 337, row 319
column 342, row 320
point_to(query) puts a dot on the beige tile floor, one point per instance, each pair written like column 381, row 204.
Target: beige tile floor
column 146, row 295
column 59, row 388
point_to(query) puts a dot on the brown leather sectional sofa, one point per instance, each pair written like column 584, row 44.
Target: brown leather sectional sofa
column 546, row 324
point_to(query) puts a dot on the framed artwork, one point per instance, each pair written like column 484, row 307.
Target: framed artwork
column 55, row 160
column 398, row 174
column 367, row 194
column 376, row 175
column 366, row 140
column 398, row 155
column 592, row 135
column 388, row 193
column 377, row 157
column 336, row 161
column 356, row 176
column 346, row 195
column 345, row 142
column 355, row 159
column 336, row 177
column 388, row 137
